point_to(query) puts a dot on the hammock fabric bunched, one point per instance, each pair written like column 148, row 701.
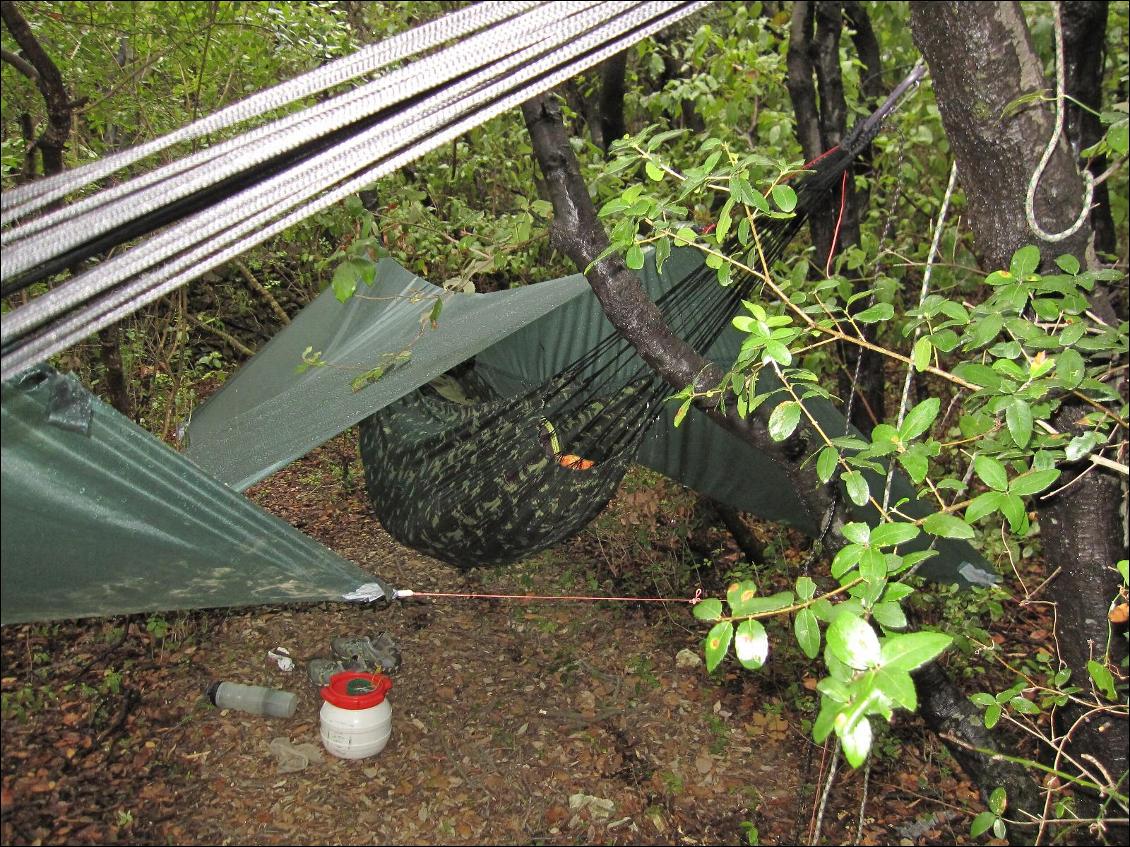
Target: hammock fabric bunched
column 490, row 482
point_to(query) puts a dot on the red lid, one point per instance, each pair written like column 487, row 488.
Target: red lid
column 356, row 690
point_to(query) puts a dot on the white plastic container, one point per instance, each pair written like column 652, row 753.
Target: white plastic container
column 356, row 719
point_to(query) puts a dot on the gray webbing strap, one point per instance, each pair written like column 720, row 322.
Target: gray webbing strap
column 50, row 235
column 193, row 247
column 28, row 198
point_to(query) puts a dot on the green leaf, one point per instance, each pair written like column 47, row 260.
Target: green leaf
column 978, row 374
column 857, row 487
column 852, row 640
column 685, row 236
column 855, row 741
column 890, row 534
column 778, row 352
column 662, row 252
column 717, row 643
column 760, row 605
column 1024, row 706
column 919, row 419
column 1033, row 482
column 991, row 472
column 826, row 463
column 923, row 354
column 345, row 281
column 1024, row 261
column 912, row 650
column 740, row 595
column 709, row 609
column 993, row 715
column 857, row 532
column 982, row 505
column 916, row 465
column 998, row 800
column 873, row 568
column 805, row 588
column 982, row 331
column 1018, row 416
column 751, row 644
column 634, row 257
column 1102, row 678
column 1012, row 507
column 947, row 526
column 784, row 420
column 784, row 197
column 982, row 700
column 682, row 411
column 890, row 615
column 878, row 312
column 1070, row 369
column 981, row 824
column 898, row 687
column 654, row 172
column 807, row 629
column 845, row 559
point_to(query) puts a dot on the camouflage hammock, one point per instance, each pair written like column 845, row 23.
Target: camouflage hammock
column 492, row 482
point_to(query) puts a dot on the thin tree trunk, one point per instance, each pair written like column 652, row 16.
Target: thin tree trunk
column 53, row 140
column 816, row 88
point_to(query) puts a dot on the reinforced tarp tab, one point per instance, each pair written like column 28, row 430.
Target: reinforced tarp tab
column 112, row 521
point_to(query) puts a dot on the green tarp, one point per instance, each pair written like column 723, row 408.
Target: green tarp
column 268, row 415
column 98, row 517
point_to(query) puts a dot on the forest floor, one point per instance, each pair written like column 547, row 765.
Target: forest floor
column 513, row 722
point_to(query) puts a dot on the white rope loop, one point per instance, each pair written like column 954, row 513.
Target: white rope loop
column 1034, row 182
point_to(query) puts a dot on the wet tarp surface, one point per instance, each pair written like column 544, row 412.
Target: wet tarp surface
column 267, row 415
column 98, row 517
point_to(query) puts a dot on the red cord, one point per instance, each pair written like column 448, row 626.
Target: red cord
column 826, row 153
column 839, row 222
column 691, row 600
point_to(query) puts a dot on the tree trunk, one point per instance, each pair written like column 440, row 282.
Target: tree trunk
column 816, row 88
column 53, row 140
column 981, row 59
column 1084, row 48
column 578, row 234
column 612, row 125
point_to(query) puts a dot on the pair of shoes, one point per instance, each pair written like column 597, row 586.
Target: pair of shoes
column 320, row 670
column 378, row 654
column 355, row 653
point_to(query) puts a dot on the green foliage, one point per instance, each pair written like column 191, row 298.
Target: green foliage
column 1017, row 352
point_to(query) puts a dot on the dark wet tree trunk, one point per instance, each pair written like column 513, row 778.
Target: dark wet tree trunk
column 1084, row 48
column 612, row 124
column 817, row 92
column 981, row 59
column 53, row 140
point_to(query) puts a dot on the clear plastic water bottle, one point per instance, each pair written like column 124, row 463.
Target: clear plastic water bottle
column 253, row 698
